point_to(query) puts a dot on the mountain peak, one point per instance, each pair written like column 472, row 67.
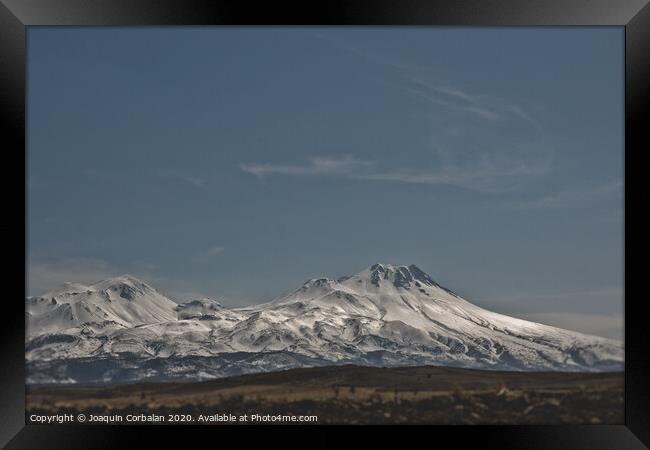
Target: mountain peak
column 391, row 267
column 118, row 283
column 401, row 276
column 126, row 286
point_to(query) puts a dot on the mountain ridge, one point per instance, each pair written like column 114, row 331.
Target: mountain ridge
column 385, row 315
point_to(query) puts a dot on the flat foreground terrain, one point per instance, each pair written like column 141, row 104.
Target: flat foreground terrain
column 362, row 395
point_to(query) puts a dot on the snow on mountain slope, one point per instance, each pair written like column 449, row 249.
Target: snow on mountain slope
column 385, row 315
column 121, row 302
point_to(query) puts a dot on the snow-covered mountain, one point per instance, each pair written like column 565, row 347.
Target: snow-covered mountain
column 122, row 329
column 121, row 302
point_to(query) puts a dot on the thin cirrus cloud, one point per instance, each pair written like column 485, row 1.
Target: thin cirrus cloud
column 347, row 166
column 484, row 176
column 495, row 164
column 498, row 166
column 411, row 79
column 452, row 98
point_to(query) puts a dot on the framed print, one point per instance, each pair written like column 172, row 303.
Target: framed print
column 349, row 215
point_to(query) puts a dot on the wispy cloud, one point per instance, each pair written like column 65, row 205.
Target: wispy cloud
column 573, row 198
column 418, row 82
column 346, row 165
column 483, row 106
column 185, row 177
column 207, row 254
column 484, row 176
column 477, row 141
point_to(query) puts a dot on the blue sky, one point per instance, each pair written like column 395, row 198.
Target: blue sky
column 239, row 162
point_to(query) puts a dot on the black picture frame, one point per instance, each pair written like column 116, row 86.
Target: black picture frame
column 633, row 15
